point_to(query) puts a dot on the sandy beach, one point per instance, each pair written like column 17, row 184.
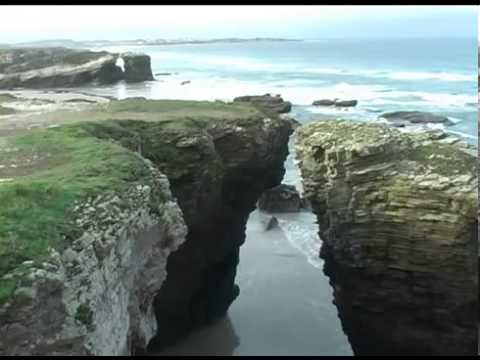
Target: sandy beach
column 284, row 308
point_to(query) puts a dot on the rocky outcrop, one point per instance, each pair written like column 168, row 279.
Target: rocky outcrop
column 281, row 198
column 242, row 161
column 323, row 102
column 267, row 102
column 136, row 200
column 397, row 215
column 335, row 102
column 402, row 118
column 137, row 67
column 346, row 103
column 61, row 67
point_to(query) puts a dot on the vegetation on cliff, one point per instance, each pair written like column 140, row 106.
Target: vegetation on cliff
column 44, row 172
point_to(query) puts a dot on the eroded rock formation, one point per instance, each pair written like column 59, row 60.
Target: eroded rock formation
column 124, row 203
column 61, row 67
column 398, row 217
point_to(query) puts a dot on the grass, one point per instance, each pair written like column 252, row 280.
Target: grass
column 178, row 111
column 81, row 159
column 36, row 207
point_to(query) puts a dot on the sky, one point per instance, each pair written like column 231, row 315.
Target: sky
column 28, row 23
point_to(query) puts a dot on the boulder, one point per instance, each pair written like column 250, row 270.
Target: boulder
column 268, row 102
column 281, row 198
column 402, row 118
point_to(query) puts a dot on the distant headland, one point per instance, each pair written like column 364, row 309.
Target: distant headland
column 137, row 42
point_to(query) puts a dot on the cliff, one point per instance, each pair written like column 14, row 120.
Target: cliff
column 398, row 218
column 96, row 214
column 61, row 67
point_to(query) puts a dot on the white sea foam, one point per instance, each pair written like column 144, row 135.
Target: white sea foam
column 442, row 76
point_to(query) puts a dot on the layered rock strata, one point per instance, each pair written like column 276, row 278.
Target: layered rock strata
column 398, row 218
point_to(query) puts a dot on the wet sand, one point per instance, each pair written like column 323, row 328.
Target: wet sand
column 284, row 308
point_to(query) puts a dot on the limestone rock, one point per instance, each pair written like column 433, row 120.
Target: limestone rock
column 398, row 217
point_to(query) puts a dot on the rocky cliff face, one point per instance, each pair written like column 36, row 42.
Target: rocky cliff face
column 95, row 295
column 398, row 218
column 61, row 67
column 102, row 287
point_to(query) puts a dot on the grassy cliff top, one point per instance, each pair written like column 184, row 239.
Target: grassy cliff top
column 44, row 172
column 419, row 150
column 153, row 110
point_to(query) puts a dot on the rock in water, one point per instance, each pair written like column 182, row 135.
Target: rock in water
column 324, row 102
column 397, row 214
column 137, row 67
column 282, row 198
column 271, row 223
column 61, row 67
column 346, row 103
column 271, row 103
column 402, row 118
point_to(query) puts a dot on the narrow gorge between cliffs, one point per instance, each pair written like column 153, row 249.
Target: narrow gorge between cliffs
column 285, row 305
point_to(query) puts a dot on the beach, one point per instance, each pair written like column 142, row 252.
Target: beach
column 284, row 308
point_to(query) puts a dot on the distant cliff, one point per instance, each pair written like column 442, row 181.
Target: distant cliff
column 62, row 67
column 135, row 42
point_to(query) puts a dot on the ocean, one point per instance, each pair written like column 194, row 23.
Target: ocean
column 285, row 306
column 436, row 75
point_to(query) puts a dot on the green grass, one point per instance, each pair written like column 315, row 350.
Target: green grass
column 89, row 155
column 175, row 111
column 36, row 207
column 7, row 287
column 6, row 111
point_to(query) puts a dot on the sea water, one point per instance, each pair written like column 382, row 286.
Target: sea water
column 435, row 75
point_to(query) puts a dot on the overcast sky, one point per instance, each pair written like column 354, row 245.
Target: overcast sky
column 26, row 23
